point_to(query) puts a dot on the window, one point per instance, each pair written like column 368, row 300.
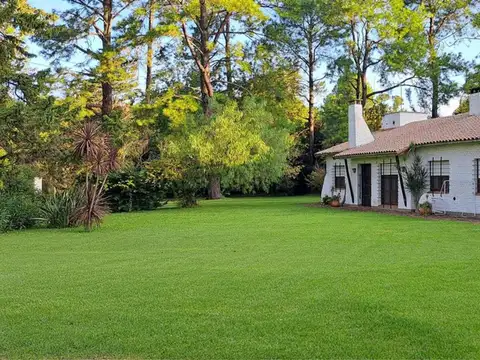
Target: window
column 439, row 175
column 477, row 175
column 339, row 176
column 388, row 167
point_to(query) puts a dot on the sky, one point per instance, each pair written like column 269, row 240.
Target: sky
column 470, row 51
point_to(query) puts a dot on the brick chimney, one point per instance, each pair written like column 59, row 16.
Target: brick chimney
column 358, row 131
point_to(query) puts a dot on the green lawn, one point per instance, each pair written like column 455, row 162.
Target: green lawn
column 243, row 279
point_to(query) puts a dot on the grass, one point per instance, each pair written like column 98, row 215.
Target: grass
column 243, row 279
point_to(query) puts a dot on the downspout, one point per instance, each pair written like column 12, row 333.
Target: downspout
column 400, row 175
column 349, row 181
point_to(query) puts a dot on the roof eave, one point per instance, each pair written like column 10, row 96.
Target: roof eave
column 360, row 155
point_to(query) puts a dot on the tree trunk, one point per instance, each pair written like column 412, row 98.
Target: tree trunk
column 148, row 82
column 364, row 89
column 214, row 189
column 205, row 75
column 107, row 89
column 435, row 95
column 435, row 79
column 434, row 69
column 107, row 99
column 311, row 102
column 228, row 60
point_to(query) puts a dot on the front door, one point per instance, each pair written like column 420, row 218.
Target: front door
column 366, row 179
column 390, row 190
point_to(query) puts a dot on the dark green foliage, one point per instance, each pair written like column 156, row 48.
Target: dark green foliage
column 18, row 211
column 189, row 187
column 316, row 178
column 135, row 190
column 416, row 178
column 326, row 200
column 18, row 179
column 58, row 209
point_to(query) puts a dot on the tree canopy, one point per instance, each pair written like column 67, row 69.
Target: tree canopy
column 219, row 96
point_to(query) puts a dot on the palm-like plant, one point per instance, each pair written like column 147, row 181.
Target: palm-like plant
column 416, row 178
column 99, row 157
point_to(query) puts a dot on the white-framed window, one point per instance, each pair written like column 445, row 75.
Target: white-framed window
column 439, row 171
column 339, row 176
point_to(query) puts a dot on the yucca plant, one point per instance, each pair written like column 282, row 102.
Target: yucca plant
column 416, row 179
column 99, row 158
column 58, row 209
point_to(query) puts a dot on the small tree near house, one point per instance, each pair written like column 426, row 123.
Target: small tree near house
column 416, row 178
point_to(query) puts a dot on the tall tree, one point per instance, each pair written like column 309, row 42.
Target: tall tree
column 306, row 32
column 88, row 28
column 383, row 36
column 18, row 21
column 334, row 111
column 28, row 121
column 148, row 30
column 202, row 23
column 444, row 22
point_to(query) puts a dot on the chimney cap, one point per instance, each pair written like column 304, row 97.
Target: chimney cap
column 475, row 90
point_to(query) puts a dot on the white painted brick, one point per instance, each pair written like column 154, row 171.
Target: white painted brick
column 462, row 197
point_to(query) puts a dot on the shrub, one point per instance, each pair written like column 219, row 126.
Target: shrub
column 187, row 190
column 18, row 180
column 326, row 200
column 18, row 211
column 316, row 178
column 135, row 190
column 58, row 209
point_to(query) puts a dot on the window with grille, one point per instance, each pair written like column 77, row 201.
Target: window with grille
column 339, row 176
column 388, row 167
column 439, row 175
column 477, row 175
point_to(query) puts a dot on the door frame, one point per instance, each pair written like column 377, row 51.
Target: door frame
column 365, row 169
column 392, row 198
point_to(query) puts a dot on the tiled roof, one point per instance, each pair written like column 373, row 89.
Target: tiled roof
column 334, row 149
column 463, row 127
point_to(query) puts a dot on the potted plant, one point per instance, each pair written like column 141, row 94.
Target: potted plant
column 335, row 200
column 425, row 209
column 326, row 200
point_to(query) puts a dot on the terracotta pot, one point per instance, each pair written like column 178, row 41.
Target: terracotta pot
column 335, row 203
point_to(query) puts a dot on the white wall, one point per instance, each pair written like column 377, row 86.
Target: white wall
column 329, row 181
column 395, row 120
column 462, row 197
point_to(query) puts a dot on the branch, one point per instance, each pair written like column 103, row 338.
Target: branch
column 393, row 87
column 123, row 8
column 190, row 46
column 220, row 29
column 89, row 7
column 85, row 51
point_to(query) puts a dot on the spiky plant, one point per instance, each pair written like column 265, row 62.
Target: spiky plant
column 416, row 178
column 99, row 158
column 59, row 208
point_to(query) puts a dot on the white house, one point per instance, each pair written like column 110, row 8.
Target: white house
column 368, row 169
